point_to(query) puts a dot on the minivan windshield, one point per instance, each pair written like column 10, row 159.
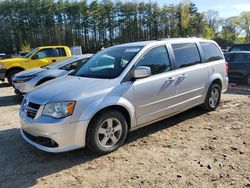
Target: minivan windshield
column 109, row 63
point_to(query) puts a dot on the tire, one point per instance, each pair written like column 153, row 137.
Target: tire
column 212, row 98
column 11, row 75
column 107, row 132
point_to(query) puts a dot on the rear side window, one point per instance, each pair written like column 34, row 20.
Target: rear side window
column 186, row 55
column 210, row 51
column 240, row 58
column 61, row 52
column 157, row 59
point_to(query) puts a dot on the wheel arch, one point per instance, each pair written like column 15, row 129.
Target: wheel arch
column 12, row 69
column 45, row 79
column 119, row 108
column 216, row 78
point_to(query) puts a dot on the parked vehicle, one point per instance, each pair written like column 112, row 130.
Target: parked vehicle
column 2, row 55
column 25, row 81
column 120, row 89
column 238, row 66
column 240, row 47
column 38, row 57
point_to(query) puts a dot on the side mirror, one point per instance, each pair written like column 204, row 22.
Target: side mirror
column 34, row 57
column 141, row 72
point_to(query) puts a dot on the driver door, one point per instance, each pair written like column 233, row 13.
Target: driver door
column 155, row 95
column 43, row 57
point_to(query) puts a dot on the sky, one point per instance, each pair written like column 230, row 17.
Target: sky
column 226, row 8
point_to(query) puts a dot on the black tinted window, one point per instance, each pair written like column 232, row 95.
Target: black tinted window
column 210, row 51
column 157, row 59
column 61, row 52
column 239, row 58
column 185, row 55
column 229, row 57
column 243, row 47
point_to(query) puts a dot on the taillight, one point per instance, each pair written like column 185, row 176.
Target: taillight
column 226, row 67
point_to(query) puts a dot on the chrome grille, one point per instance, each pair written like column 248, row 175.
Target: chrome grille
column 31, row 109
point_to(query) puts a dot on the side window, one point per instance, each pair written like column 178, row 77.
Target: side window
column 211, row 51
column 72, row 66
column 186, row 55
column 241, row 58
column 157, row 59
column 49, row 52
column 248, row 57
column 61, row 52
column 75, row 66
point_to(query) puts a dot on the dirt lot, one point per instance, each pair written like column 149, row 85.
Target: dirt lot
column 193, row 149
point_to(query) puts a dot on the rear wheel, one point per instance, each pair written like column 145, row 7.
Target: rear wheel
column 107, row 132
column 11, row 75
column 213, row 97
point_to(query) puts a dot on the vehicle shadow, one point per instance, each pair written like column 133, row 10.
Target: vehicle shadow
column 22, row 164
column 3, row 85
column 10, row 100
column 238, row 91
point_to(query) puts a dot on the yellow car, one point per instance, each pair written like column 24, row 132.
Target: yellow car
column 38, row 57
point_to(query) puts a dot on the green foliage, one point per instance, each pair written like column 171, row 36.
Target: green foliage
column 106, row 22
column 25, row 46
column 208, row 33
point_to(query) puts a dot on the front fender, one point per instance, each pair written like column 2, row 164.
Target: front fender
column 109, row 101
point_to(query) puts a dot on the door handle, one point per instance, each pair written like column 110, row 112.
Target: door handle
column 171, row 79
column 53, row 60
column 183, row 76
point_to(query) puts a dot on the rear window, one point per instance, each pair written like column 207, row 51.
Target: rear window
column 186, row 55
column 210, row 51
column 242, row 47
column 237, row 58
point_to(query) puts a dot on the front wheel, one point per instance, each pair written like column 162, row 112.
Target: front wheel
column 213, row 97
column 107, row 132
column 11, row 75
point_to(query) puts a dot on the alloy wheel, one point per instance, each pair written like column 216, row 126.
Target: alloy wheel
column 109, row 132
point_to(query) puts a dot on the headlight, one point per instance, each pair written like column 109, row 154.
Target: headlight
column 59, row 110
column 24, row 79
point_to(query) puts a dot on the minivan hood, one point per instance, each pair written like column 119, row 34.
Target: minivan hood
column 69, row 88
column 29, row 72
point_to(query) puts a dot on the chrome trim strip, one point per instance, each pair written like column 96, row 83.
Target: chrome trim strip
column 169, row 98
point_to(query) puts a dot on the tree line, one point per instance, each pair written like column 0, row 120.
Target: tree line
column 92, row 25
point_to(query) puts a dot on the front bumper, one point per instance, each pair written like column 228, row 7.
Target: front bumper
column 2, row 74
column 24, row 87
column 65, row 136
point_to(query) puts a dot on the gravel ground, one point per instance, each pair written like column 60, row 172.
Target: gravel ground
column 193, row 149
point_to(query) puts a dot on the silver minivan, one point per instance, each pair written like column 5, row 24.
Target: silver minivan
column 123, row 88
